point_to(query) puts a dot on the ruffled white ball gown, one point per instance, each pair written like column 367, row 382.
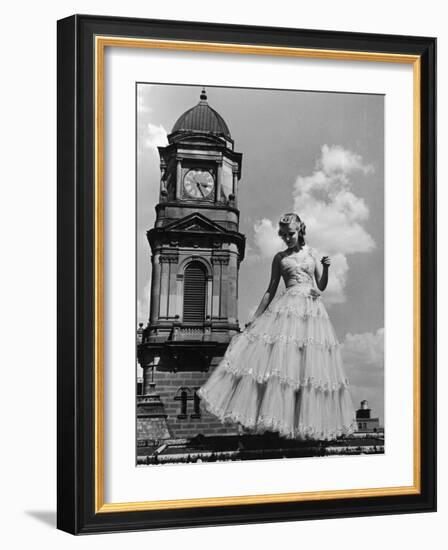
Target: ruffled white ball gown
column 284, row 373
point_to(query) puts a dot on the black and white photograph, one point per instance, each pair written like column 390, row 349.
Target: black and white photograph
column 260, row 274
column 228, row 217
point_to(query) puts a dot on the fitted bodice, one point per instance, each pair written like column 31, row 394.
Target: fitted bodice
column 298, row 268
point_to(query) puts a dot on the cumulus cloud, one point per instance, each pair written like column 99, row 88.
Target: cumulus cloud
column 333, row 213
column 363, row 356
column 366, row 349
column 335, row 291
column 144, row 98
column 266, row 238
column 330, row 208
column 155, row 136
column 337, row 159
column 150, row 135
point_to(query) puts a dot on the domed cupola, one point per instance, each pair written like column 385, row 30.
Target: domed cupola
column 199, row 166
column 201, row 119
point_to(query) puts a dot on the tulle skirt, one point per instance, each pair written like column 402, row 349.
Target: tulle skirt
column 284, row 373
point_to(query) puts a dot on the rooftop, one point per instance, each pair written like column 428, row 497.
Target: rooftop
column 202, row 118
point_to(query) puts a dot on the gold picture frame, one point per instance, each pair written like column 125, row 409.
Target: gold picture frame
column 81, row 35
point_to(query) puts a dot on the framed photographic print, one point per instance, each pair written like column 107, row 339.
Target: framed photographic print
column 246, row 268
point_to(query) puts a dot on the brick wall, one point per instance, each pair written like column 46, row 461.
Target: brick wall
column 169, row 386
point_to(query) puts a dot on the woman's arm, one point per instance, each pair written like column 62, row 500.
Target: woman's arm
column 322, row 278
column 272, row 288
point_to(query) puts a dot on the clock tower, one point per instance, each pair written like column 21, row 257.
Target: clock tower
column 196, row 250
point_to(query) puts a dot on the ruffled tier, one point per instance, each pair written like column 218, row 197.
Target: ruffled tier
column 294, row 341
column 284, row 373
column 308, row 413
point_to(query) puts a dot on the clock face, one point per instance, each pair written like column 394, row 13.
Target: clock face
column 198, row 184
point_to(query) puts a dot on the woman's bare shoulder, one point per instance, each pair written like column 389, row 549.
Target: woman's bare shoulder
column 279, row 256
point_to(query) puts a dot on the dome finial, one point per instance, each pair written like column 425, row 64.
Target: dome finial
column 202, row 118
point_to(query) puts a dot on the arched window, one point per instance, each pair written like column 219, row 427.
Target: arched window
column 196, row 404
column 183, row 396
column 183, row 402
column 194, row 293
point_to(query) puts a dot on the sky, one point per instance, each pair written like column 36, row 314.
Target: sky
column 315, row 153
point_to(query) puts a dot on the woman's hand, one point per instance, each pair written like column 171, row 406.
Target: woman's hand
column 314, row 294
column 325, row 261
column 322, row 278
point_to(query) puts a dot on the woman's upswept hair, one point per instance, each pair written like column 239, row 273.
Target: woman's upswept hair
column 293, row 219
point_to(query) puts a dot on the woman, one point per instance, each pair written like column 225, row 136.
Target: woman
column 284, row 372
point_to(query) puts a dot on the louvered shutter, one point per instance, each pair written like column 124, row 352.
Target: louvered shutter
column 194, row 293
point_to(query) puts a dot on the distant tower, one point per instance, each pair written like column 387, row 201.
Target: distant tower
column 364, row 411
column 196, row 252
column 364, row 420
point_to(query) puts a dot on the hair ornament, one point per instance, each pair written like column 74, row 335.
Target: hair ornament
column 286, row 219
column 292, row 218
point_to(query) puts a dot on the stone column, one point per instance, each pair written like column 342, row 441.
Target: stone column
column 163, row 309
column 235, row 188
column 224, row 287
column 216, row 292
column 232, row 298
column 162, row 179
column 178, row 180
column 155, row 288
column 172, row 290
column 219, row 182
column 209, row 282
column 147, row 378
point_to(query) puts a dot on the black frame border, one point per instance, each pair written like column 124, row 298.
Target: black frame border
column 76, row 261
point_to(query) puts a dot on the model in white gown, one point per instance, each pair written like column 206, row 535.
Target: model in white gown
column 284, row 372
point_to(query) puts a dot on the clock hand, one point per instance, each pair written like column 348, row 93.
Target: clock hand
column 199, row 187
